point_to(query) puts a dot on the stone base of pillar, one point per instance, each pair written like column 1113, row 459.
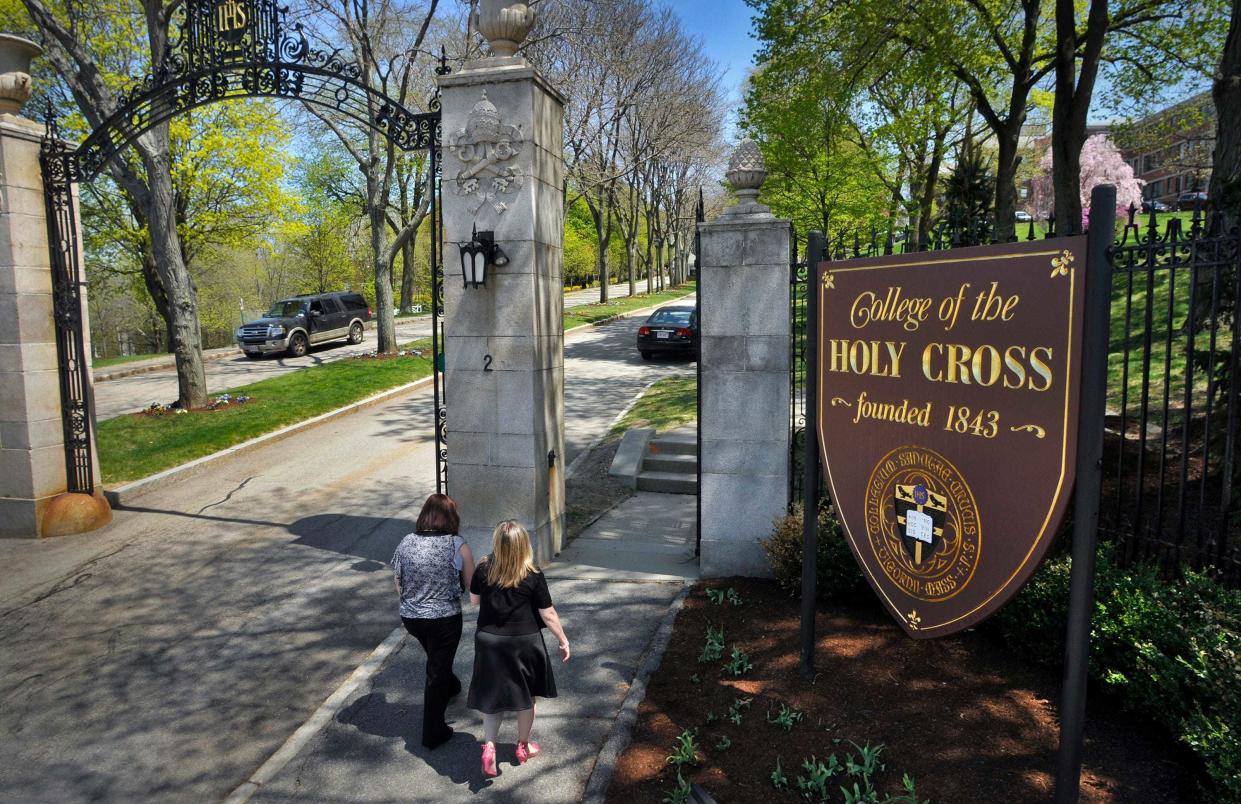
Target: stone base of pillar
column 70, row 514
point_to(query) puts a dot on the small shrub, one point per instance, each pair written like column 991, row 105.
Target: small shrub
column 838, row 577
column 778, row 779
column 680, row 793
column 814, row 785
column 786, row 718
column 685, row 752
column 739, row 664
column 720, row 596
column 724, row 744
column 713, row 647
column 1168, row 649
column 734, row 711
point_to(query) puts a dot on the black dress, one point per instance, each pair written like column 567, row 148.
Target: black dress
column 511, row 663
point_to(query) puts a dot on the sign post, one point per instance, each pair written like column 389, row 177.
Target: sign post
column 1091, row 412
column 816, row 250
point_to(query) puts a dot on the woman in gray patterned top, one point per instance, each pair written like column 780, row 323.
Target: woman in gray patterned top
column 432, row 567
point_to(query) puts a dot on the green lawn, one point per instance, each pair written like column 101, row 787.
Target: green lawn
column 116, row 361
column 670, row 403
column 138, row 445
column 592, row 313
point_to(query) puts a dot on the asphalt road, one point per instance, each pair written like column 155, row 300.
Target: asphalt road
column 134, row 393
column 168, row 655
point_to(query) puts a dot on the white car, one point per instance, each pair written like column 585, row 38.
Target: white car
column 1023, row 216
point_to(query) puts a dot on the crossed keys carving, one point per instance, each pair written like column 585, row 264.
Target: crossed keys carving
column 483, row 146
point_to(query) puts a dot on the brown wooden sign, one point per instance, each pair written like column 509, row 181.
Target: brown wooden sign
column 947, row 397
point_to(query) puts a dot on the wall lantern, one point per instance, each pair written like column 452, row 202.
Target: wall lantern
column 477, row 255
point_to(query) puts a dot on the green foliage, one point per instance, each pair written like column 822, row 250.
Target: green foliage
column 719, row 596
column 838, row 577
column 858, row 782
column 739, row 664
column 724, row 744
column 685, row 752
column 1168, row 649
column 786, row 718
column 713, row 647
column 680, row 793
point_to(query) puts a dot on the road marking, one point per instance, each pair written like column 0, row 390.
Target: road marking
column 319, row 720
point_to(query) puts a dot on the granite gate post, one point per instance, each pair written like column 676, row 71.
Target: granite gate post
column 743, row 295
column 503, row 172
column 33, row 478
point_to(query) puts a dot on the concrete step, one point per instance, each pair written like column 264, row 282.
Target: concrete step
column 673, row 445
column 668, row 482
column 671, row 462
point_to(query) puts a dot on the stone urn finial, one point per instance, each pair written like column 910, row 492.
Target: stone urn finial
column 16, row 54
column 746, row 173
column 505, row 24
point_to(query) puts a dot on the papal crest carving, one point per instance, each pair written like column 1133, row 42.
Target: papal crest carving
column 483, row 146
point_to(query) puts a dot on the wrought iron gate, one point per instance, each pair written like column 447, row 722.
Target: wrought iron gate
column 222, row 51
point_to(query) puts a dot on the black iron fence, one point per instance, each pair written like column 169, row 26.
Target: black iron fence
column 1172, row 429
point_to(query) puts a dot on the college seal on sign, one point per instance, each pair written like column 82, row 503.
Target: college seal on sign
column 922, row 523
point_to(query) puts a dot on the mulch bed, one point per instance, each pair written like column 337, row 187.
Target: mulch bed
column 967, row 721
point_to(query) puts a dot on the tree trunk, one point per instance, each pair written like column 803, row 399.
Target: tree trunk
column 1006, row 181
column 1225, row 189
column 178, row 286
column 1074, row 90
column 385, row 321
column 407, row 276
column 600, row 215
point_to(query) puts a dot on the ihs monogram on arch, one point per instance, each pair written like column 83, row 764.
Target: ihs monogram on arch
column 484, row 147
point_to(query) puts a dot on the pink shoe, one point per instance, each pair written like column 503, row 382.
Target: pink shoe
column 527, row 751
column 489, row 760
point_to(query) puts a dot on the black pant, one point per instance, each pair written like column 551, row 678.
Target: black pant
column 439, row 638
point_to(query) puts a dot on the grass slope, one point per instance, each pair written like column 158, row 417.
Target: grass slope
column 138, row 445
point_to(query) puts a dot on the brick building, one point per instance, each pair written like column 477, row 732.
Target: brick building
column 1171, row 150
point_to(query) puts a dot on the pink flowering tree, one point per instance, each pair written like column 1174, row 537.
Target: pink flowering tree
column 1101, row 164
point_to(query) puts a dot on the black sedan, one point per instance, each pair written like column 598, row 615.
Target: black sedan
column 670, row 330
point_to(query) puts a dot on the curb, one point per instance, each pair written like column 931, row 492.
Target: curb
column 627, row 717
column 358, row 679
column 137, row 488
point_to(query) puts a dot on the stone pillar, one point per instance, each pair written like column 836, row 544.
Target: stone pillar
column 32, row 452
column 743, row 294
column 503, row 172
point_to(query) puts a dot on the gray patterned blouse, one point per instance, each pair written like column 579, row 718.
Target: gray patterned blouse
column 426, row 567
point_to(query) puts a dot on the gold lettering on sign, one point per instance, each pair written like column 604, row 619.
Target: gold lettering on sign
column 231, row 16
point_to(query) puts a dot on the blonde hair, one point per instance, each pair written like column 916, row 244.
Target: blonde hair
column 512, row 559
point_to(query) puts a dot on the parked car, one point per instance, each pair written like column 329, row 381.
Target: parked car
column 1189, row 201
column 1023, row 216
column 1155, row 206
column 293, row 325
column 671, row 330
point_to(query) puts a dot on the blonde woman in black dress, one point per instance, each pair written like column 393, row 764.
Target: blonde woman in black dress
column 511, row 663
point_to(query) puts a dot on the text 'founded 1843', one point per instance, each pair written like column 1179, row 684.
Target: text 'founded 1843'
column 947, row 389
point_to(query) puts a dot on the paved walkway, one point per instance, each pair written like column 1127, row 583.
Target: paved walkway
column 612, row 587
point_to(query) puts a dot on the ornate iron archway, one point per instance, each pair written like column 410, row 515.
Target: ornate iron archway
column 224, row 49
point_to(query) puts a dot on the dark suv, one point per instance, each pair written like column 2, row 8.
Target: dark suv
column 293, row 325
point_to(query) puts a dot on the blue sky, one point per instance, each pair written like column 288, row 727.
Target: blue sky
column 724, row 28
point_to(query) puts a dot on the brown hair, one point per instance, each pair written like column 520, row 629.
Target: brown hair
column 439, row 515
column 511, row 557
